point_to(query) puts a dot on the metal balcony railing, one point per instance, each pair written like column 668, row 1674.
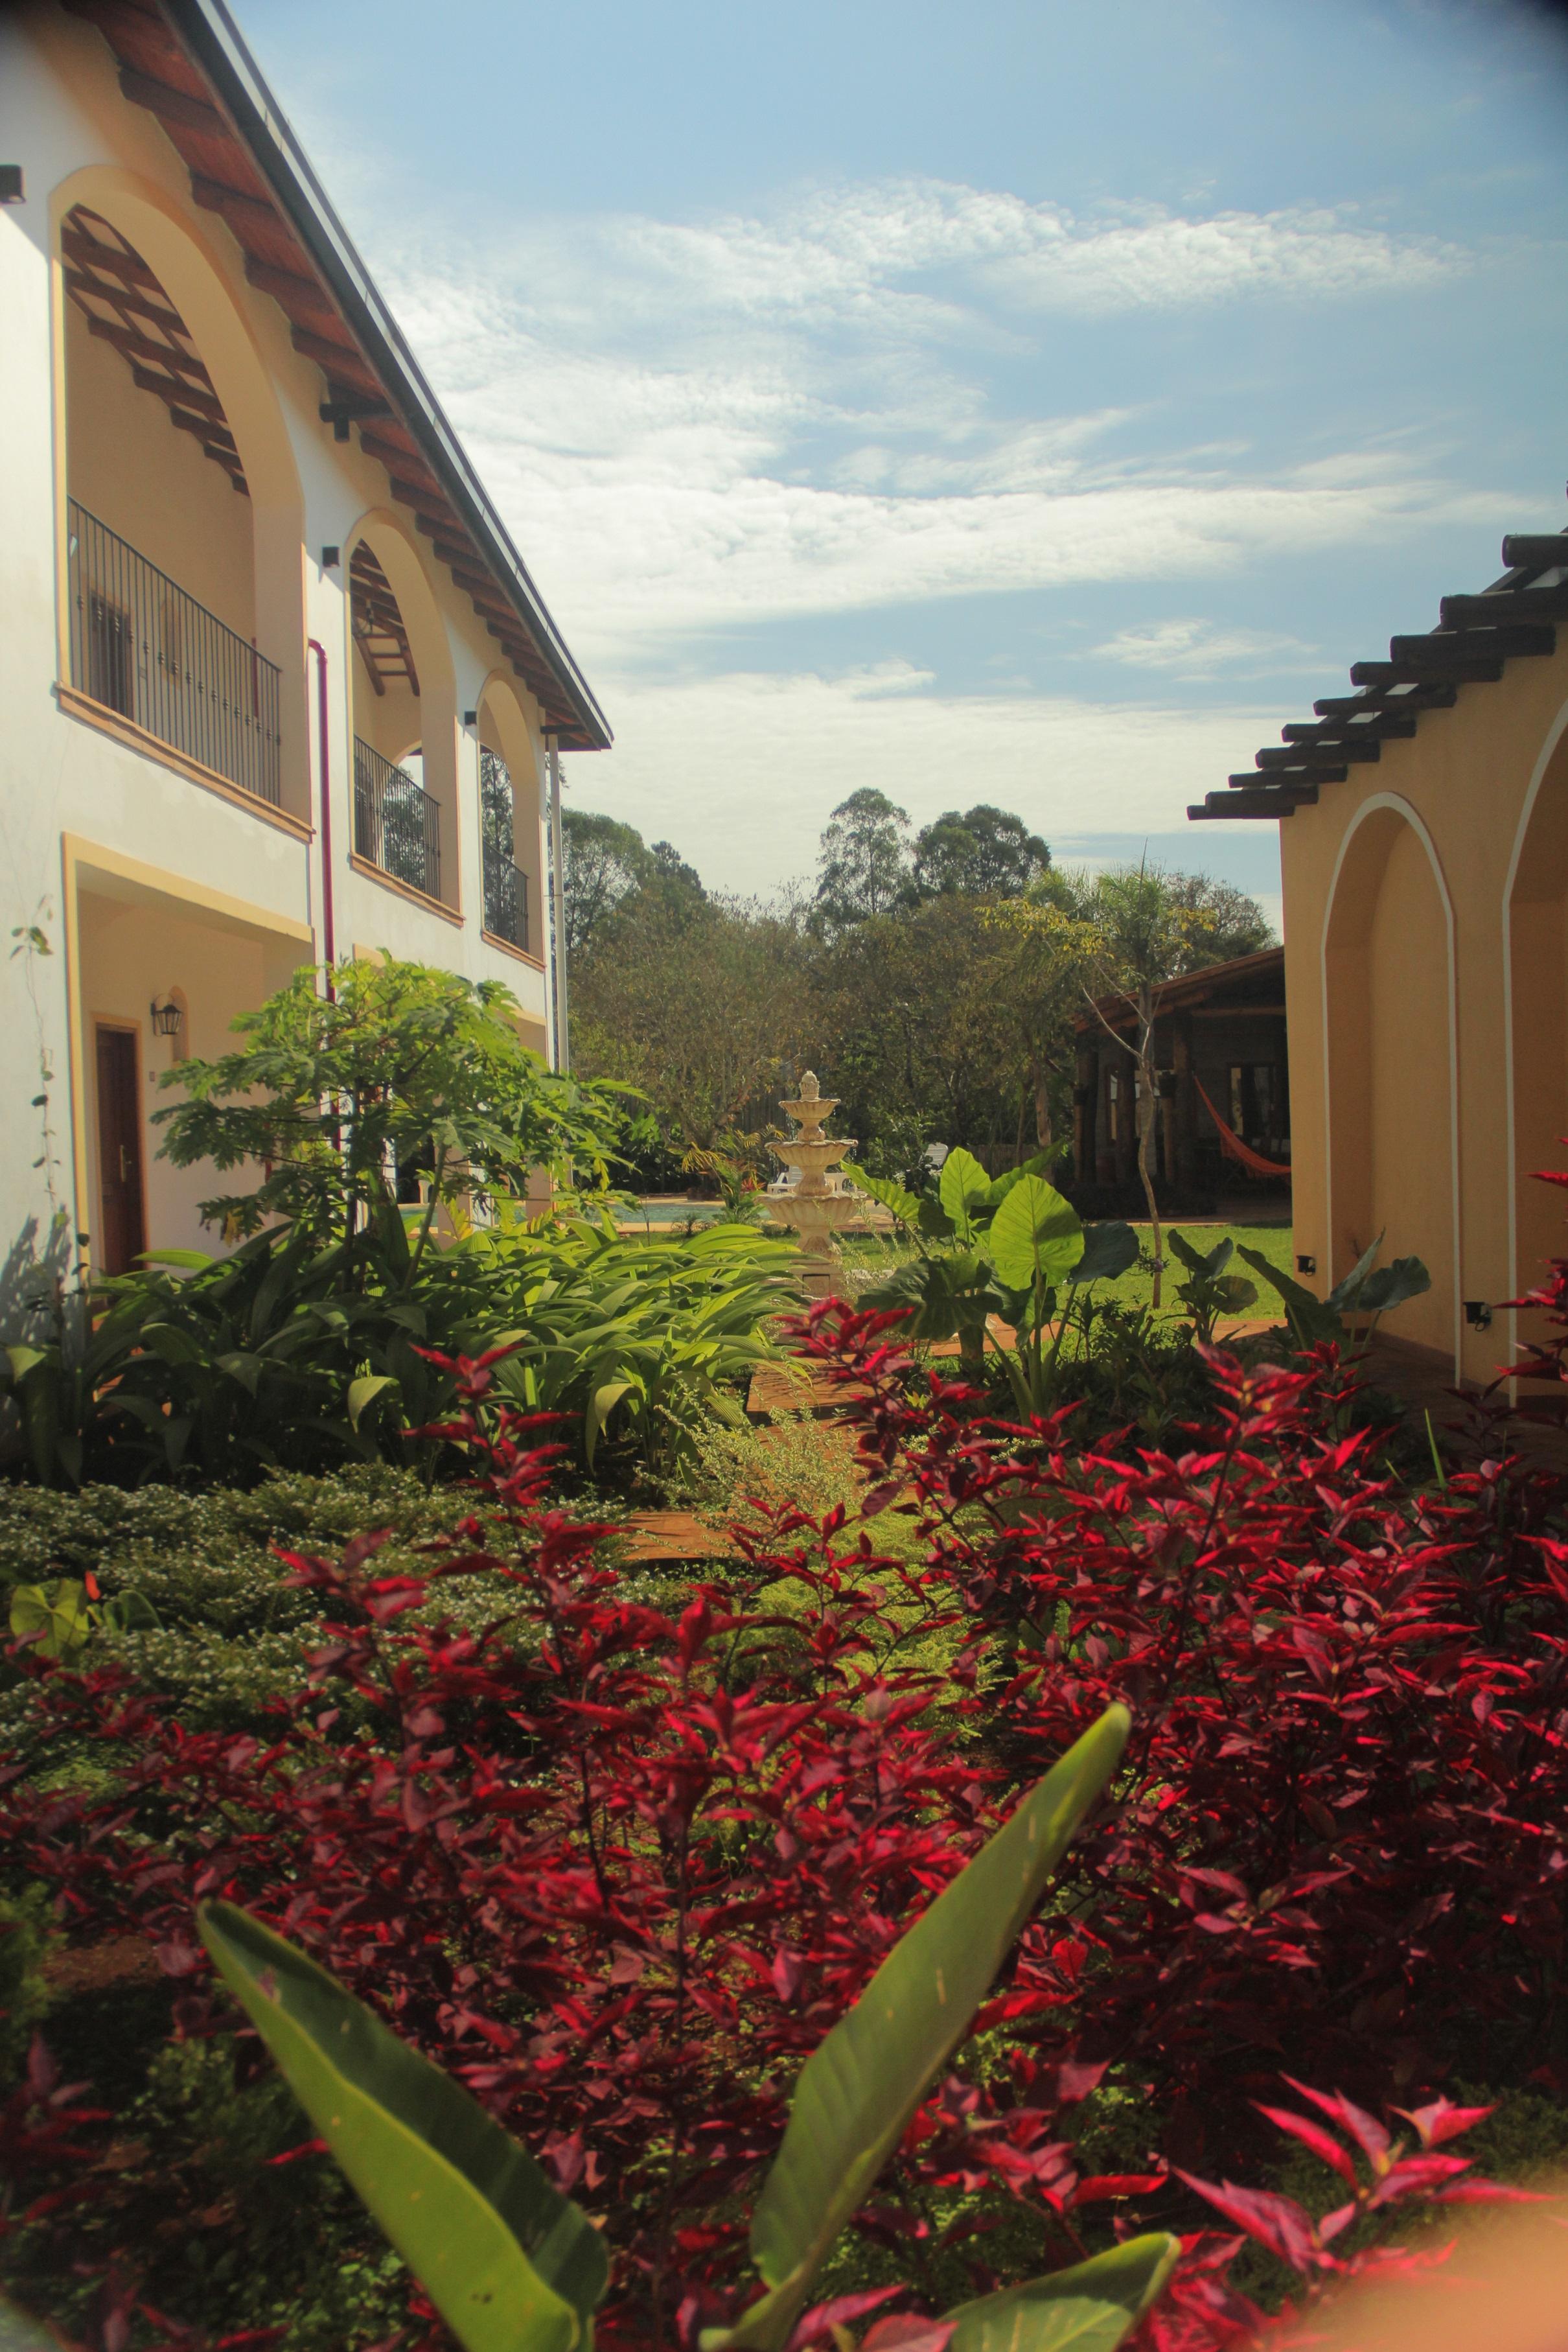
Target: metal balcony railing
column 506, row 898
column 142, row 647
column 397, row 822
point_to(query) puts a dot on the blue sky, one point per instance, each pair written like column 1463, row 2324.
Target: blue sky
column 1038, row 404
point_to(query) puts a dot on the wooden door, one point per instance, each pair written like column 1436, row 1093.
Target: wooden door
column 122, row 1232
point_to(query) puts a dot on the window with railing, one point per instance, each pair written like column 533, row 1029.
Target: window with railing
column 396, row 822
column 506, row 884
column 142, row 647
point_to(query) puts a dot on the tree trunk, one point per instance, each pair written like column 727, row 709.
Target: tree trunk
column 1147, row 1100
column 1041, row 1102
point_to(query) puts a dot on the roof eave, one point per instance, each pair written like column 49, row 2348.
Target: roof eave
column 219, row 48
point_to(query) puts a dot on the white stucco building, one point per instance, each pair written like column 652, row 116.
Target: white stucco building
column 274, row 684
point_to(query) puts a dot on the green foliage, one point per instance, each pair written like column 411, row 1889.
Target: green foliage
column 1367, row 1289
column 985, row 853
column 1208, row 1291
column 1003, row 1248
column 514, row 2267
column 229, row 1368
column 27, row 1934
column 508, row 2261
column 863, row 868
column 60, row 1618
column 404, row 1071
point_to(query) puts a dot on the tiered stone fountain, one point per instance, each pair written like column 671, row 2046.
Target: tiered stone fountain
column 822, row 1202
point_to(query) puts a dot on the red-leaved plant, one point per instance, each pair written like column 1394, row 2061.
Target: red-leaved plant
column 620, row 1870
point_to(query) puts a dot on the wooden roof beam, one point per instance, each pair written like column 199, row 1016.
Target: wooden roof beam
column 1530, row 550
column 171, row 105
column 1508, row 642
column 239, row 207
column 1304, row 772
column 1290, row 755
column 1333, row 732
column 1260, row 802
column 1427, row 672
column 1505, row 604
column 1429, row 695
column 289, row 288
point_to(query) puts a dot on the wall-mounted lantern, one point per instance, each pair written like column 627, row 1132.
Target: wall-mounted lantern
column 168, row 1019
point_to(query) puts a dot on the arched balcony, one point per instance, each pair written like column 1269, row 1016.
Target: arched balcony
column 162, row 589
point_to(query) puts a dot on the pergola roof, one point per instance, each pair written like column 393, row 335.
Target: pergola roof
column 185, row 62
column 1256, row 982
column 1477, row 636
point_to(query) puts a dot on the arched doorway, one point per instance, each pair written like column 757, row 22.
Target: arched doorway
column 510, row 776
column 1538, row 1000
column 1388, row 1004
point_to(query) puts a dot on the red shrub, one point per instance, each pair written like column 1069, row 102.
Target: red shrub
column 621, row 1869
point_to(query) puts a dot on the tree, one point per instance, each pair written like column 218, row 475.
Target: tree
column 698, row 1002
column 864, row 869
column 1236, row 925
column 1145, row 926
column 331, row 1097
column 986, row 851
column 601, row 860
column 1043, row 945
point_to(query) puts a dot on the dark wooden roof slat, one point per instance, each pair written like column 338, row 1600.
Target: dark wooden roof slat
column 1471, row 671
column 1531, row 551
column 171, row 105
column 1510, row 640
column 1383, row 728
column 1430, row 695
column 1340, row 748
column 1261, row 801
column 1307, row 773
column 1505, row 604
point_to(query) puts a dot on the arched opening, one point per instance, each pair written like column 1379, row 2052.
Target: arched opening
column 183, row 599
column 1538, row 983
column 1389, row 999
column 509, row 771
column 404, row 760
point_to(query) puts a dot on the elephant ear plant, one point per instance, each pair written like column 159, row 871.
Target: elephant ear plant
column 515, row 2266
column 1007, row 1248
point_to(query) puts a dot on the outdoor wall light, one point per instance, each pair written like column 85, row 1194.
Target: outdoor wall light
column 167, row 1019
column 331, row 558
column 1477, row 1314
column 13, row 188
column 470, row 718
column 1305, row 1264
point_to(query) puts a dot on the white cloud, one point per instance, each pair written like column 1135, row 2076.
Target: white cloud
column 744, row 420
column 1196, row 649
column 740, row 771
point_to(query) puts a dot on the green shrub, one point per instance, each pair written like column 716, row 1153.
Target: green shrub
column 26, row 1936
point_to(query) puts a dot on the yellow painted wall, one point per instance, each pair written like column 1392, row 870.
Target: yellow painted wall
column 131, row 952
column 1379, row 1133
column 128, row 466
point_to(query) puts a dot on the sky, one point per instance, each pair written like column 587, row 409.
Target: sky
column 1034, row 404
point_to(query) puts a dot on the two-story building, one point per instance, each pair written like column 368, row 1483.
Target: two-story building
column 277, row 686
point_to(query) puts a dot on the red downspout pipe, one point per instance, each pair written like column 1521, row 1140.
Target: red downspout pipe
column 328, row 941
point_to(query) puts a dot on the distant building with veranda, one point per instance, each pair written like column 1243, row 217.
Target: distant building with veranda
column 274, row 684
column 1424, row 833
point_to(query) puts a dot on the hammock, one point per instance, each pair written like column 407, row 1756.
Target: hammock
column 1242, row 1153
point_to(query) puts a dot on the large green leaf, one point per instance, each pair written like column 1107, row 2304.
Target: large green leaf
column 1310, row 1318
column 1391, row 1286
column 950, row 1296
column 511, row 2264
column 1089, row 2308
column 1035, row 1235
column 1109, row 1249
column 858, row 2091
column 961, row 1187
column 901, row 1204
column 54, row 1617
